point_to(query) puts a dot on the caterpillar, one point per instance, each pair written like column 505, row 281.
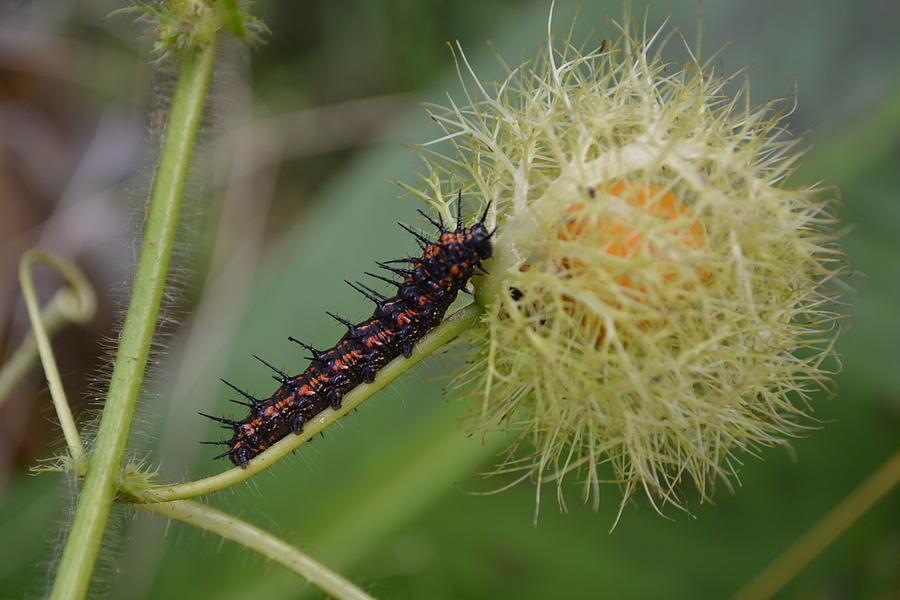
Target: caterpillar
column 427, row 289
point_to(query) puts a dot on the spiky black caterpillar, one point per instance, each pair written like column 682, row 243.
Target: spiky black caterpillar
column 427, row 290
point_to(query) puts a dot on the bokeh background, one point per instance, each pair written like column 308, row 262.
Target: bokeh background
column 290, row 196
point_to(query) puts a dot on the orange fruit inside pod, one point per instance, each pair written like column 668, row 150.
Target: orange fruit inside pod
column 647, row 231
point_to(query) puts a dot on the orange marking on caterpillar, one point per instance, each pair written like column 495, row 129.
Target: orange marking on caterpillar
column 423, row 297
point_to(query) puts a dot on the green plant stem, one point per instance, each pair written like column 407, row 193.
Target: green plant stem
column 438, row 338
column 767, row 583
column 77, row 304
column 269, row 546
column 92, row 512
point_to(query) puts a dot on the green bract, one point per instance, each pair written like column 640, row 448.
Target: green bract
column 658, row 297
column 191, row 25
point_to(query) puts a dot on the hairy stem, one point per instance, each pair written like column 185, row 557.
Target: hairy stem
column 92, row 512
column 269, row 546
column 438, row 338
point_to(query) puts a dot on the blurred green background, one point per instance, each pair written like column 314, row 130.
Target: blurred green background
column 289, row 197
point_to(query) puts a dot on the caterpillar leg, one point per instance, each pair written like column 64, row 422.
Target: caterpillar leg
column 297, row 424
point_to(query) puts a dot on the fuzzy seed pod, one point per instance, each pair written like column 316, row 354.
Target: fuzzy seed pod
column 659, row 301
